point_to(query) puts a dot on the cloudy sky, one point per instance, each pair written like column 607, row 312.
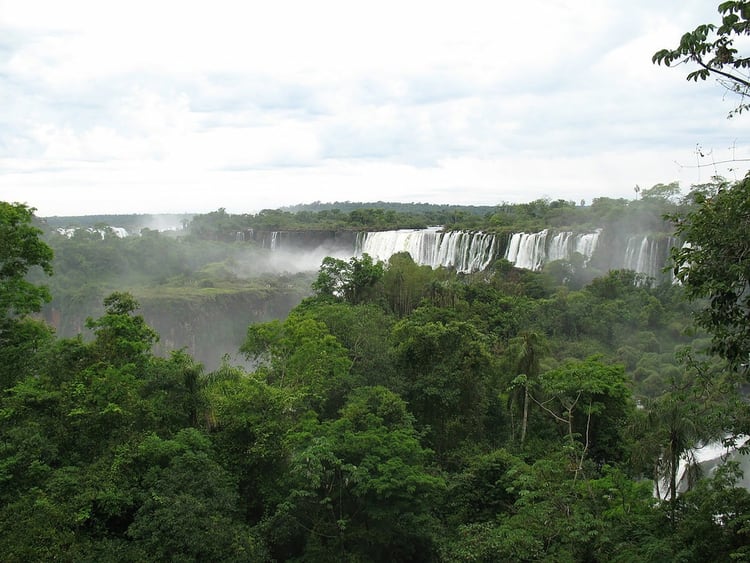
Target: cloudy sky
column 183, row 106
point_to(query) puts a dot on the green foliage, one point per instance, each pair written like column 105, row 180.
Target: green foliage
column 592, row 401
column 120, row 336
column 301, row 355
column 524, row 353
column 713, row 263
column 401, row 414
column 354, row 281
column 360, row 488
column 405, row 284
column 21, row 250
column 21, row 343
column 712, row 49
column 446, row 375
column 248, row 421
column 186, row 502
column 484, row 488
column 364, row 330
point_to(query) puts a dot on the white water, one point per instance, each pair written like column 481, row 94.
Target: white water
column 71, row 231
column 532, row 250
column 466, row 252
column 708, row 458
column 470, row 252
column 645, row 255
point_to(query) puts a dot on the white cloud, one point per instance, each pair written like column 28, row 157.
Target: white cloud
column 186, row 106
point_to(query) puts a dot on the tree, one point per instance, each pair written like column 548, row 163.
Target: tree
column 662, row 192
column 446, row 374
column 184, row 504
column 360, row 487
column 714, row 263
column 525, row 350
column 121, row 336
column 301, row 355
column 248, row 421
column 21, row 250
column 354, row 281
column 405, row 283
column 364, row 330
column 592, row 401
column 712, row 49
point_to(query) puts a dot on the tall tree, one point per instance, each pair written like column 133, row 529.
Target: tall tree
column 122, row 337
column 354, row 281
column 360, row 488
column 714, row 263
column 526, row 351
column 446, row 374
column 301, row 355
column 21, row 250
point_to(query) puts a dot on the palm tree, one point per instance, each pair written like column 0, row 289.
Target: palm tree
column 674, row 421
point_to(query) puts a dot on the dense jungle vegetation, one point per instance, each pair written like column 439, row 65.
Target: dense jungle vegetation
column 397, row 413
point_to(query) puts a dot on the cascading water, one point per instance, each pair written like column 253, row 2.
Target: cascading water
column 466, row 252
column 559, row 246
column 585, row 244
column 470, row 252
column 528, row 250
column 69, row 232
column 647, row 255
column 531, row 251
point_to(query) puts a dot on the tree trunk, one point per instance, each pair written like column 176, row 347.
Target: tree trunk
column 525, row 412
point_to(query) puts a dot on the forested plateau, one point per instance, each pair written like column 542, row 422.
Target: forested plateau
column 377, row 410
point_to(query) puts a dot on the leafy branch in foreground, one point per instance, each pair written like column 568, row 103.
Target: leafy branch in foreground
column 712, row 48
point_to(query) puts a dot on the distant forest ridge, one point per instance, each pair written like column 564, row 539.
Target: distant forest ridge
column 647, row 213
column 399, row 207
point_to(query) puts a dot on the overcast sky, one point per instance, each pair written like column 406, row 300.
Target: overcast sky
column 162, row 106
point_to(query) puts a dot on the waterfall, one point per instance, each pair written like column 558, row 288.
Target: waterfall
column 70, row 232
column 647, row 255
column 466, row 252
column 585, row 244
column 528, row 250
column 274, row 240
column 531, row 251
column 559, row 246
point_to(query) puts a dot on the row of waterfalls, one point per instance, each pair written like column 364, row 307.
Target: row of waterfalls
column 470, row 252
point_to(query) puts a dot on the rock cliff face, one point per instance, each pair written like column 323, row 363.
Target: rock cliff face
column 314, row 240
column 207, row 326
